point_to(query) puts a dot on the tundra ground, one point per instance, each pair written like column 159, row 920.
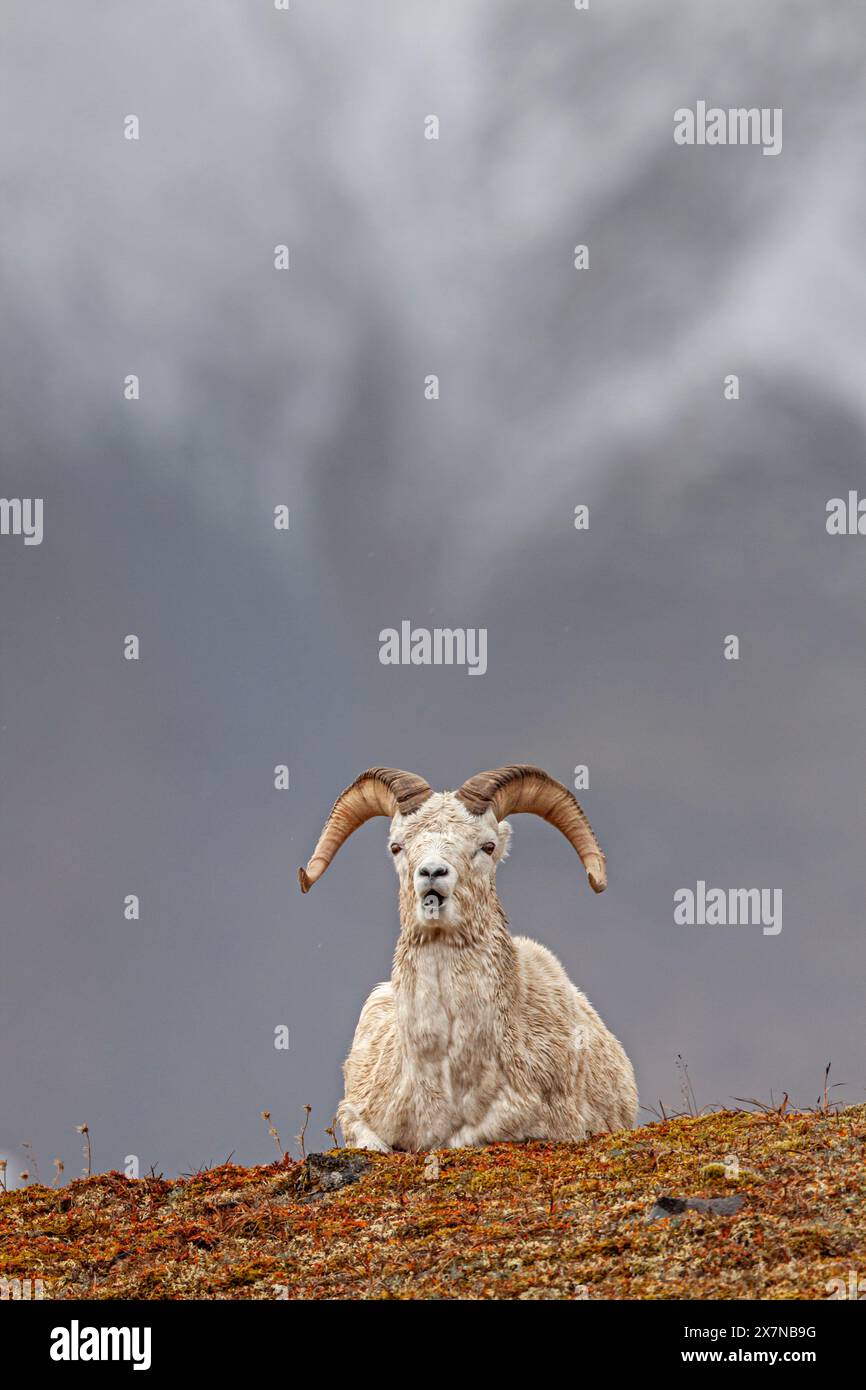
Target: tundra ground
column 526, row 1221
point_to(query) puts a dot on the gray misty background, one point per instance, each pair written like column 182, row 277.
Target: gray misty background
column 558, row 387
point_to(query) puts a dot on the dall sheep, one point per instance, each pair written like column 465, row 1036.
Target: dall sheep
column 480, row 1036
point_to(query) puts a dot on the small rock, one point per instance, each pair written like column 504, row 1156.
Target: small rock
column 710, row 1206
column 330, row 1171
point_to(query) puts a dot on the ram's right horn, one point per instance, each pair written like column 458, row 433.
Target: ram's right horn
column 380, row 791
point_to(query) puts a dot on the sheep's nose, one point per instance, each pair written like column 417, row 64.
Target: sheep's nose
column 433, row 869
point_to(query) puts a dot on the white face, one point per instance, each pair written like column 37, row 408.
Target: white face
column 443, row 855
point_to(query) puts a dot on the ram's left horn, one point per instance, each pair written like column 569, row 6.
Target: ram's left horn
column 510, row 790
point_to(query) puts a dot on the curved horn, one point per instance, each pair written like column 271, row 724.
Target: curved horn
column 507, row 790
column 380, row 791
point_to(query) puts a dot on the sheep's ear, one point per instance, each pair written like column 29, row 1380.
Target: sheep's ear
column 504, row 841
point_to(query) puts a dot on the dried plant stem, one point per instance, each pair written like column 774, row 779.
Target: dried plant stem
column 31, row 1155
column 273, row 1132
column 300, row 1137
column 88, row 1155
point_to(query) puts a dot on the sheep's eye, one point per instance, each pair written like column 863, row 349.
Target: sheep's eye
column 395, row 849
column 489, row 847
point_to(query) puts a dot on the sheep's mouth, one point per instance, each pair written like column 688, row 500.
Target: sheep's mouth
column 431, row 902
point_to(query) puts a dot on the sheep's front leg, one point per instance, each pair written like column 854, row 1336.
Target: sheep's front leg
column 465, row 1138
column 358, row 1134
column 502, row 1120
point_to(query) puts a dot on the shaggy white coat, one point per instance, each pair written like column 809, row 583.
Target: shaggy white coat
column 478, row 1036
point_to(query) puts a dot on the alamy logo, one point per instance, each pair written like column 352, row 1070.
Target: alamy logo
column 22, row 516
column 737, row 126
column 855, row 1288
column 76, row 1343
column 846, row 517
column 21, row 1289
column 731, row 907
column 439, row 646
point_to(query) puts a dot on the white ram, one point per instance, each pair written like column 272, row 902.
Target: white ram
column 479, row 1036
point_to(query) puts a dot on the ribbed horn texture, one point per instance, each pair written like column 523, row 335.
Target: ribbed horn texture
column 380, row 791
column 508, row 790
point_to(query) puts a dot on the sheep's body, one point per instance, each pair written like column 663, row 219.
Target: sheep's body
column 478, row 1037
column 451, row 1053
